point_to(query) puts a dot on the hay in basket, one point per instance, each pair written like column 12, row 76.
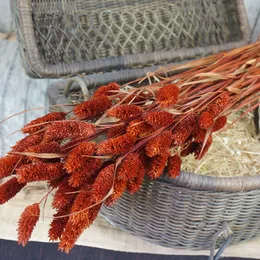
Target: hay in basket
column 155, row 127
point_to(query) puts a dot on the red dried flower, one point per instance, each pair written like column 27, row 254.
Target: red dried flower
column 134, row 97
column 219, row 123
column 57, row 226
column 160, row 144
column 68, row 129
column 92, row 108
column 205, row 120
column 188, row 149
column 39, row 172
column 199, row 134
column 159, row 119
column 129, row 168
column 125, row 112
column 183, row 129
column 116, row 131
column 115, row 146
column 167, row 95
column 63, row 196
column 27, row 142
column 199, row 153
column 174, row 166
column 51, row 147
column 8, row 165
column 68, row 146
column 103, row 182
column 37, row 124
column 157, row 165
column 85, row 174
column 27, row 223
column 107, row 90
column 75, row 159
column 118, row 190
column 218, row 106
column 135, row 184
column 9, row 189
column 139, row 129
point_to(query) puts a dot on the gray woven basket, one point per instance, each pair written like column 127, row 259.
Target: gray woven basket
column 61, row 38
column 191, row 211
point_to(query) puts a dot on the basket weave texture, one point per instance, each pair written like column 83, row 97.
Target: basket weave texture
column 65, row 38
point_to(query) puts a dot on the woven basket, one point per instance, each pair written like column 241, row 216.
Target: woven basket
column 61, row 38
column 191, row 211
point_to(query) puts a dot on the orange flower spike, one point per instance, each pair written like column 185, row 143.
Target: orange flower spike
column 84, row 175
column 157, row 165
column 27, row 142
column 134, row 185
column 68, row 129
column 115, row 146
column 129, row 168
column 159, row 119
column 51, row 147
column 160, row 144
column 92, row 108
column 219, row 123
column 218, row 106
column 167, row 95
column 205, row 120
column 57, row 226
column 116, row 131
column 27, row 223
column 39, row 172
column 119, row 188
column 103, row 182
column 107, row 90
column 183, row 129
column 199, row 153
column 9, row 189
column 174, row 166
column 139, row 129
column 33, row 126
column 74, row 229
column 75, row 159
column 8, row 165
column 125, row 112
column 189, row 149
column 199, row 134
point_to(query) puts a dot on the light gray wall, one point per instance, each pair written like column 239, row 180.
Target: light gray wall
column 5, row 16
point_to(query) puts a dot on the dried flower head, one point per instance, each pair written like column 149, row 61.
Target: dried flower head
column 188, row 149
column 107, row 90
column 116, row 131
column 68, row 129
column 167, row 95
column 174, row 166
column 139, row 129
column 218, row 106
column 200, row 151
column 39, row 172
column 219, row 123
column 160, row 144
column 199, row 134
column 125, row 112
column 184, row 129
column 27, row 223
column 27, row 142
column 116, row 146
column 38, row 124
column 159, row 119
column 9, row 189
column 92, row 108
column 103, row 182
column 76, row 159
column 205, row 120
column 135, row 184
column 157, row 165
column 8, row 165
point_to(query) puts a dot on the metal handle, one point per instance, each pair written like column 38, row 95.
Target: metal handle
column 227, row 232
column 82, row 85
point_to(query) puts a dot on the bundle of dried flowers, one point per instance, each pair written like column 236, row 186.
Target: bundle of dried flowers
column 155, row 126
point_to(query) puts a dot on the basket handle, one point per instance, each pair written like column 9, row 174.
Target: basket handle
column 227, row 232
column 82, row 85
